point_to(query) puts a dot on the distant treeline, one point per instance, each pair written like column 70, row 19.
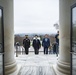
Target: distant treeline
column 19, row 38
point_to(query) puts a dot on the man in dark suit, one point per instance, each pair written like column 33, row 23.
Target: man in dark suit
column 26, row 44
column 57, row 43
column 36, row 44
column 46, row 44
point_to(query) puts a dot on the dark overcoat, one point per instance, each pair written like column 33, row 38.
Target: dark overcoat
column 36, row 44
column 46, row 43
column 26, row 43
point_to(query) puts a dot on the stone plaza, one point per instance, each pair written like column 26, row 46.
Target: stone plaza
column 32, row 64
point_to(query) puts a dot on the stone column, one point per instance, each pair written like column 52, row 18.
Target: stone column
column 10, row 63
column 63, row 63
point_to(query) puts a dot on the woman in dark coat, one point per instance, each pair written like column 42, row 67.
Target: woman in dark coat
column 36, row 44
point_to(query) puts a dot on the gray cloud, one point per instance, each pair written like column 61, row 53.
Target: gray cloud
column 35, row 15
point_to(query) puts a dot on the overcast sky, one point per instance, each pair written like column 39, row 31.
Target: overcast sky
column 35, row 16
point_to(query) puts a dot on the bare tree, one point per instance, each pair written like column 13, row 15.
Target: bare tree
column 56, row 25
column 19, row 39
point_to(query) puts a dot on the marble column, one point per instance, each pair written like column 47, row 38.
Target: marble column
column 9, row 60
column 63, row 64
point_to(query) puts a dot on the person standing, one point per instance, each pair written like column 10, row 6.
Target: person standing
column 36, row 44
column 54, row 47
column 57, row 37
column 46, row 44
column 57, row 42
column 26, row 44
column 17, row 48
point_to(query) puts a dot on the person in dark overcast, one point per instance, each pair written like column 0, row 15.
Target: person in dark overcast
column 26, row 44
column 57, row 42
column 36, row 44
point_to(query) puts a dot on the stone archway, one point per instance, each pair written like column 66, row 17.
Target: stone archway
column 63, row 64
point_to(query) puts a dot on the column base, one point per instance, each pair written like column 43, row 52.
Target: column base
column 61, row 68
column 11, row 68
column 17, row 71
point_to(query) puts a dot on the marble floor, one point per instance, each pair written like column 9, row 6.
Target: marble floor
column 74, row 64
column 1, row 64
column 36, row 64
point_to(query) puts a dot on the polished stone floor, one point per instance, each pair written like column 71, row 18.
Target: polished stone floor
column 74, row 64
column 1, row 64
column 36, row 64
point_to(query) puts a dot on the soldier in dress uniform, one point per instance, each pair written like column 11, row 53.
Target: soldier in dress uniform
column 26, row 44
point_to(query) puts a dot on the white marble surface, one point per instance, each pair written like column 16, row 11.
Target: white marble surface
column 36, row 64
column 74, row 64
column 1, row 65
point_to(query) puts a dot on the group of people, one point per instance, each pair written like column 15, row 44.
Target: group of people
column 37, row 44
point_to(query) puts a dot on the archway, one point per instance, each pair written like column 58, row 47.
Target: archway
column 64, row 58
